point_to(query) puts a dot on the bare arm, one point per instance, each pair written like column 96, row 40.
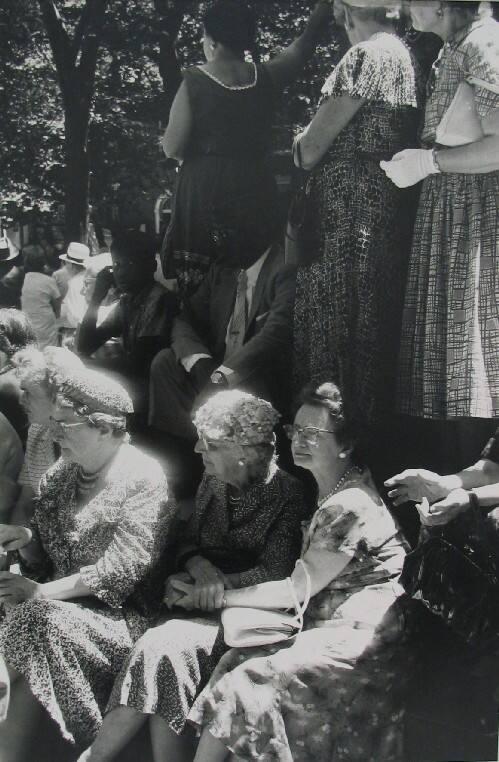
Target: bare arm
column 178, row 132
column 286, row 66
column 476, row 158
column 331, row 118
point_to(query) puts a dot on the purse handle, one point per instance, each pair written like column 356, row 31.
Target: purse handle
column 300, row 608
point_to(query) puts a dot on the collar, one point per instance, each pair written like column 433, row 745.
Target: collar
column 253, row 272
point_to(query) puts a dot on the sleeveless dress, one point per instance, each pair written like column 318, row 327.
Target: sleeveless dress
column 349, row 302
column 225, row 188
column 334, row 693
column 449, row 358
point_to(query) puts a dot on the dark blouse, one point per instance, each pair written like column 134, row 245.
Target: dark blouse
column 259, row 537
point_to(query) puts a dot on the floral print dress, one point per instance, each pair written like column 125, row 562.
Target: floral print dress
column 70, row 651
column 330, row 695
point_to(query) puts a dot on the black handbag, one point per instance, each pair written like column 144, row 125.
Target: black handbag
column 301, row 245
column 456, row 578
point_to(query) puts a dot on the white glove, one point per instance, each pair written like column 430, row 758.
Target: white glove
column 409, row 167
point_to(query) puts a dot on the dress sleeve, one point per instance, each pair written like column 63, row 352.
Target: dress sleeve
column 38, row 565
column 374, row 73
column 283, row 544
column 340, row 525
column 481, row 60
column 136, row 546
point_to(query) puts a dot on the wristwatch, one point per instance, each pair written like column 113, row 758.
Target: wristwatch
column 217, row 377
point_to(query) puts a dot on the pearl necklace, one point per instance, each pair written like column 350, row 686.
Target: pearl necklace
column 338, row 484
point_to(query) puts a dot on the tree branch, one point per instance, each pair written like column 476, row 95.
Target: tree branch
column 59, row 42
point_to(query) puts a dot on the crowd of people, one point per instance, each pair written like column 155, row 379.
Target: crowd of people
column 243, row 429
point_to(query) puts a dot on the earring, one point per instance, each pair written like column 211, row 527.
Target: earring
column 240, row 462
column 342, row 455
column 440, row 12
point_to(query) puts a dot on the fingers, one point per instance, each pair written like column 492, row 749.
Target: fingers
column 399, row 496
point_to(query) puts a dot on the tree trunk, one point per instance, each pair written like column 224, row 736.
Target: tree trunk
column 77, row 173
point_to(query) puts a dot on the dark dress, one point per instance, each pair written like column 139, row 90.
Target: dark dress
column 259, row 539
column 225, row 182
column 349, row 301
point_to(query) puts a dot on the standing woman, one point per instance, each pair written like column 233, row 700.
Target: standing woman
column 349, row 300
column 449, row 361
column 220, row 129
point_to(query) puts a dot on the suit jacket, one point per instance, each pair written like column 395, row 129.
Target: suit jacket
column 202, row 325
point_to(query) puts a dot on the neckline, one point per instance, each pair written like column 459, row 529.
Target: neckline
column 232, row 87
column 461, row 34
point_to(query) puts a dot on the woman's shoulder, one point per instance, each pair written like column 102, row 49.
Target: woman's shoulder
column 379, row 69
column 481, row 47
column 284, row 483
column 359, row 496
column 135, row 469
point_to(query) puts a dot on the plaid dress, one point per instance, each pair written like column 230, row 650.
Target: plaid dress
column 449, row 360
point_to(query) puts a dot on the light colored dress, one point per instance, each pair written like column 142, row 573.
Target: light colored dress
column 449, row 358
column 69, row 652
column 38, row 295
column 330, row 694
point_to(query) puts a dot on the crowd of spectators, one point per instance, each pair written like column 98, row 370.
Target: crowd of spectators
column 255, row 435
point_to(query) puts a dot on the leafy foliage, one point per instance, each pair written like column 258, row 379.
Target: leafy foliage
column 131, row 99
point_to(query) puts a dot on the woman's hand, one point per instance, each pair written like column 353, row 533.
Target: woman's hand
column 409, row 167
column 14, row 588
column 204, row 597
column 203, row 571
column 415, row 484
column 445, row 510
column 14, row 537
column 172, row 594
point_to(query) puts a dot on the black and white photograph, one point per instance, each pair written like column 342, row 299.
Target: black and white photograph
column 249, row 381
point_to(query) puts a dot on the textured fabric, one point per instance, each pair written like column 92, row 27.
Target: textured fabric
column 260, row 540
column 349, row 301
column 38, row 295
column 40, row 456
column 225, row 183
column 69, row 652
column 449, row 360
column 332, row 694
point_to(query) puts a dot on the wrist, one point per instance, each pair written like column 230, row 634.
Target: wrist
column 219, row 378
column 449, row 483
column 436, row 168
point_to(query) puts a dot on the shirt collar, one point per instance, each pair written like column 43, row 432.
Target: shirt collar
column 253, row 272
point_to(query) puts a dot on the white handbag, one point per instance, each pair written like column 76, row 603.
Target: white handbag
column 246, row 627
column 460, row 124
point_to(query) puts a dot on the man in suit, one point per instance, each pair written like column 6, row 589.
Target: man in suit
column 235, row 331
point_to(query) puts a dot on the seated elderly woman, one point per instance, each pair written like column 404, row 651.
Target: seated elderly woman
column 15, row 333
column 87, row 562
column 244, row 530
column 315, row 700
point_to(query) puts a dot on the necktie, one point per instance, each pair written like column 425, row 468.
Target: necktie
column 237, row 326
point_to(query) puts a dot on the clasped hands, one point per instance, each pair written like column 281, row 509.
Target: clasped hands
column 436, row 503
column 14, row 588
column 201, row 587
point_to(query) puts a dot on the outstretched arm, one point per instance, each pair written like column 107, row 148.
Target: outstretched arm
column 286, row 66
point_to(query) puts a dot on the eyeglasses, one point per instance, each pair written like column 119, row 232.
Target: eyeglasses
column 63, row 427
column 309, row 433
column 217, row 444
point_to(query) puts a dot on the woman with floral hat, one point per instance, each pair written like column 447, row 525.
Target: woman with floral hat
column 85, row 592
column 245, row 529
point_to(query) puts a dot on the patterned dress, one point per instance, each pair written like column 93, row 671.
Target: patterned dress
column 349, row 301
column 449, row 360
column 40, row 456
column 70, row 651
column 331, row 695
column 259, row 539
